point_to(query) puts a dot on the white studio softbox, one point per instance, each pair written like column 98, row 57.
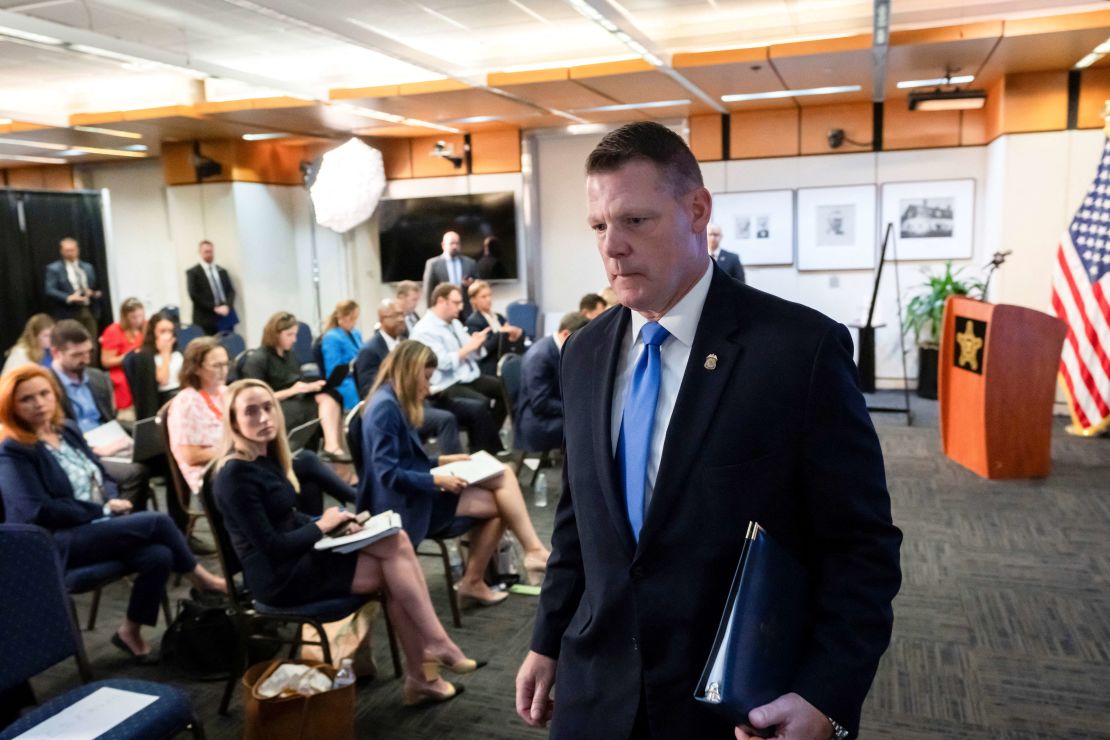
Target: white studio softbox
column 348, row 186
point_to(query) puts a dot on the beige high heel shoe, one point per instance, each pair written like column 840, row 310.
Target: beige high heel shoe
column 413, row 695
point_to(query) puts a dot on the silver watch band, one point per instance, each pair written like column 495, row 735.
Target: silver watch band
column 839, row 733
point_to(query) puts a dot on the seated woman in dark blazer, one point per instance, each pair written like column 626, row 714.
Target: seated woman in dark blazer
column 397, row 475
column 301, row 400
column 257, row 492
column 50, row 477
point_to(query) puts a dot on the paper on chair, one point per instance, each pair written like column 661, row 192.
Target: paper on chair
column 90, row 717
column 481, row 466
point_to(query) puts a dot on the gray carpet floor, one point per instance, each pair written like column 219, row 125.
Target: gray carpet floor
column 1002, row 627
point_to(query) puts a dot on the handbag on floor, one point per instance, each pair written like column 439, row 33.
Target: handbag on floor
column 325, row 716
column 201, row 642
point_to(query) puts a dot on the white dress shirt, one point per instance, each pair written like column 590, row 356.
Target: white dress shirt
column 390, row 342
column 493, row 321
column 76, row 275
column 682, row 324
column 446, row 339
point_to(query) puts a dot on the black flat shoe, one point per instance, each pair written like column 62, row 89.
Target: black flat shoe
column 334, row 457
column 137, row 659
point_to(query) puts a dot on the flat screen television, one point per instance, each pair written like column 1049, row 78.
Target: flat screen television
column 410, row 231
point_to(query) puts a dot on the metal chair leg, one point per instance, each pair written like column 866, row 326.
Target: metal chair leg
column 166, row 609
column 394, row 652
column 94, row 609
column 449, row 577
column 197, row 728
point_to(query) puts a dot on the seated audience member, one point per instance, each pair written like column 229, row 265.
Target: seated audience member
column 33, row 345
column 490, row 266
column 457, row 377
column 196, row 416
column 610, row 296
column 502, row 336
column 50, row 477
column 540, row 418
column 397, row 475
column 125, row 335
column 257, row 491
column 408, row 295
column 591, row 306
column 88, row 400
column 340, row 344
column 157, row 367
column 275, row 364
column 391, row 321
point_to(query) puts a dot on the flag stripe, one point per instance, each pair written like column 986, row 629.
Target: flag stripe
column 1095, row 332
column 1083, row 370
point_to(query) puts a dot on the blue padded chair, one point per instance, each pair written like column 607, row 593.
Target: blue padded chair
column 40, row 631
column 354, row 444
column 233, row 343
column 525, row 315
column 302, row 349
column 129, row 370
column 186, row 334
column 250, row 615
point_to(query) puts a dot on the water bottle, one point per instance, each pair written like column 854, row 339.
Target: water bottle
column 455, row 557
column 346, row 674
column 539, row 489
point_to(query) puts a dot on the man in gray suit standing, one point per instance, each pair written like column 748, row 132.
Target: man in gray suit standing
column 729, row 262
column 70, row 288
column 450, row 267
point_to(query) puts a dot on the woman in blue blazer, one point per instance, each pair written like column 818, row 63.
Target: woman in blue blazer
column 340, row 345
column 50, row 477
column 397, row 474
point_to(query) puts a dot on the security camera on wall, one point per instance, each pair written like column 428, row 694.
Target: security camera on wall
column 447, row 151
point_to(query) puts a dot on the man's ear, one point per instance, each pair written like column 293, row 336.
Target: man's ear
column 701, row 209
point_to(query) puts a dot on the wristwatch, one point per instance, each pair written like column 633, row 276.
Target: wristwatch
column 839, row 733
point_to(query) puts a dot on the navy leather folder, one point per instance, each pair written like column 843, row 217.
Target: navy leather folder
column 764, row 625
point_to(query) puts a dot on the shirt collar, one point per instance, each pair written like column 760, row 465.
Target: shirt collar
column 390, row 342
column 682, row 320
column 68, row 381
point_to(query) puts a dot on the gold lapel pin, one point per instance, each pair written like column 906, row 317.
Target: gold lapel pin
column 711, row 362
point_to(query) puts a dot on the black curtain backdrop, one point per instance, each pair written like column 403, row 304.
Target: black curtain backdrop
column 32, row 223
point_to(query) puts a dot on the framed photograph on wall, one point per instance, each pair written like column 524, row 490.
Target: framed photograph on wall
column 759, row 226
column 836, row 228
column 933, row 220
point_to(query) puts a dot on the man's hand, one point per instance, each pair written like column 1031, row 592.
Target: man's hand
column 222, row 309
column 793, row 718
column 75, row 297
column 119, row 506
column 477, row 339
column 534, row 682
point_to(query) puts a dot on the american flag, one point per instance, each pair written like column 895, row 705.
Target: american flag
column 1079, row 288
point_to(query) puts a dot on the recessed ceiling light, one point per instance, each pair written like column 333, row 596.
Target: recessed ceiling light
column 937, row 100
column 633, row 106
column 265, row 136
column 73, row 153
column 136, row 148
column 1087, row 61
column 26, row 158
column 38, row 38
column 740, row 97
column 959, row 80
column 475, row 119
column 109, row 132
column 5, row 121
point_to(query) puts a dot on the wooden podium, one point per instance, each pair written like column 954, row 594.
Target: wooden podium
column 996, row 384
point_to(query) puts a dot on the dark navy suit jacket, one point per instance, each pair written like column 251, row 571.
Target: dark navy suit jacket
column 58, row 288
column 540, row 419
column 370, row 358
column 396, row 470
column 729, row 262
column 37, row 491
column 774, row 430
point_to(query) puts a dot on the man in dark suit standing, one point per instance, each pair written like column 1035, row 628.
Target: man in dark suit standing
column 71, row 288
column 698, row 406
column 211, row 292
column 502, row 337
column 729, row 262
column 438, row 423
column 88, row 398
column 450, row 267
column 540, row 418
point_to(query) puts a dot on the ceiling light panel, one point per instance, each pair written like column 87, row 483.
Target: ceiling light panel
column 832, row 90
column 937, row 82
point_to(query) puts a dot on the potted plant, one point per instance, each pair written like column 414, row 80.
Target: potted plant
column 924, row 314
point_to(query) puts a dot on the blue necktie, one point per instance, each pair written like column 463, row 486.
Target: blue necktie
column 634, row 444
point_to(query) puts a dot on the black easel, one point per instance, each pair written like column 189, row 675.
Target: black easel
column 867, row 340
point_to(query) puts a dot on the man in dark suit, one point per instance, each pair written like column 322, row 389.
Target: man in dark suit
column 698, row 406
column 503, row 337
column 71, row 288
column 89, row 399
column 450, row 267
column 729, row 262
column 211, row 292
column 539, row 420
column 438, row 423
column 408, row 294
